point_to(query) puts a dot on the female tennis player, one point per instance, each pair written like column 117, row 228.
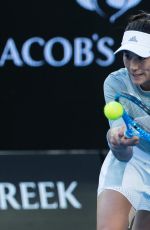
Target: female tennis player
column 124, row 180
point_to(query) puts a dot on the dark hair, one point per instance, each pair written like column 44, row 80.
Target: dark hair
column 139, row 22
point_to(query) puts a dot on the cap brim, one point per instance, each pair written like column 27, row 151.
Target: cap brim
column 139, row 50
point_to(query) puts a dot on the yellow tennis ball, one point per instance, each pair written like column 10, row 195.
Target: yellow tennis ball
column 113, row 110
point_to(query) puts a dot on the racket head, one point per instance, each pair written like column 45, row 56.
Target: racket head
column 133, row 127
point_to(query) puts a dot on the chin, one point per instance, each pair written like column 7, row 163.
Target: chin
column 138, row 81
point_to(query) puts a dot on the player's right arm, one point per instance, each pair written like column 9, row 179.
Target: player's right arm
column 120, row 145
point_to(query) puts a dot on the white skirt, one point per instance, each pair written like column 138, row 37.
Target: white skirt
column 132, row 179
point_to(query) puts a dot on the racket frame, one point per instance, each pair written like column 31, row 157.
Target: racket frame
column 132, row 127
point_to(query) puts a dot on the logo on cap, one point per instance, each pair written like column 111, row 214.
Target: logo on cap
column 133, row 39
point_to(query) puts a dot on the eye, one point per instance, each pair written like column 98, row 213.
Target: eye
column 141, row 58
column 127, row 55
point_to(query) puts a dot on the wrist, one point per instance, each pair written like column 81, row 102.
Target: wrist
column 123, row 154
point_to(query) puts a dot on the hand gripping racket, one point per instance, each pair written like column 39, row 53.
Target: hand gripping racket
column 132, row 127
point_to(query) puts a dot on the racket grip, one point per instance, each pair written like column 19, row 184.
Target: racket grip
column 128, row 133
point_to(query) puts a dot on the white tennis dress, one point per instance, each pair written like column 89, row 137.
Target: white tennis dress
column 132, row 178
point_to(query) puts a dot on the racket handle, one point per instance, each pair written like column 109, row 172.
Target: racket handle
column 128, row 133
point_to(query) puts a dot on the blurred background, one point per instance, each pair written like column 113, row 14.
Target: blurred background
column 54, row 58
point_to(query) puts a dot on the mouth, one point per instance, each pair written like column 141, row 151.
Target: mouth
column 137, row 76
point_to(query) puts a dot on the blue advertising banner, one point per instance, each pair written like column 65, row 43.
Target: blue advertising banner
column 42, row 190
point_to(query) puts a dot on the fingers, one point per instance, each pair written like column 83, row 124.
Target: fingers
column 120, row 145
column 128, row 141
column 117, row 138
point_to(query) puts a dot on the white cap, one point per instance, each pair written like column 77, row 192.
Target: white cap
column 136, row 42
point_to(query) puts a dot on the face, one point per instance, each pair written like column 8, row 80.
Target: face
column 138, row 68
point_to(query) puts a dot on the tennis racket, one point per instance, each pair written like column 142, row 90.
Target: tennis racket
column 132, row 127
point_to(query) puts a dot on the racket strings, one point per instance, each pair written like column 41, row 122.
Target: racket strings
column 139, row 126
column 134, row 100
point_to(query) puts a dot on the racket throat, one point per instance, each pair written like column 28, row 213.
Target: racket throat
column 131, row 130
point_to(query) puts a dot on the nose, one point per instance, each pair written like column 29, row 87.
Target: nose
column 134, row 64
